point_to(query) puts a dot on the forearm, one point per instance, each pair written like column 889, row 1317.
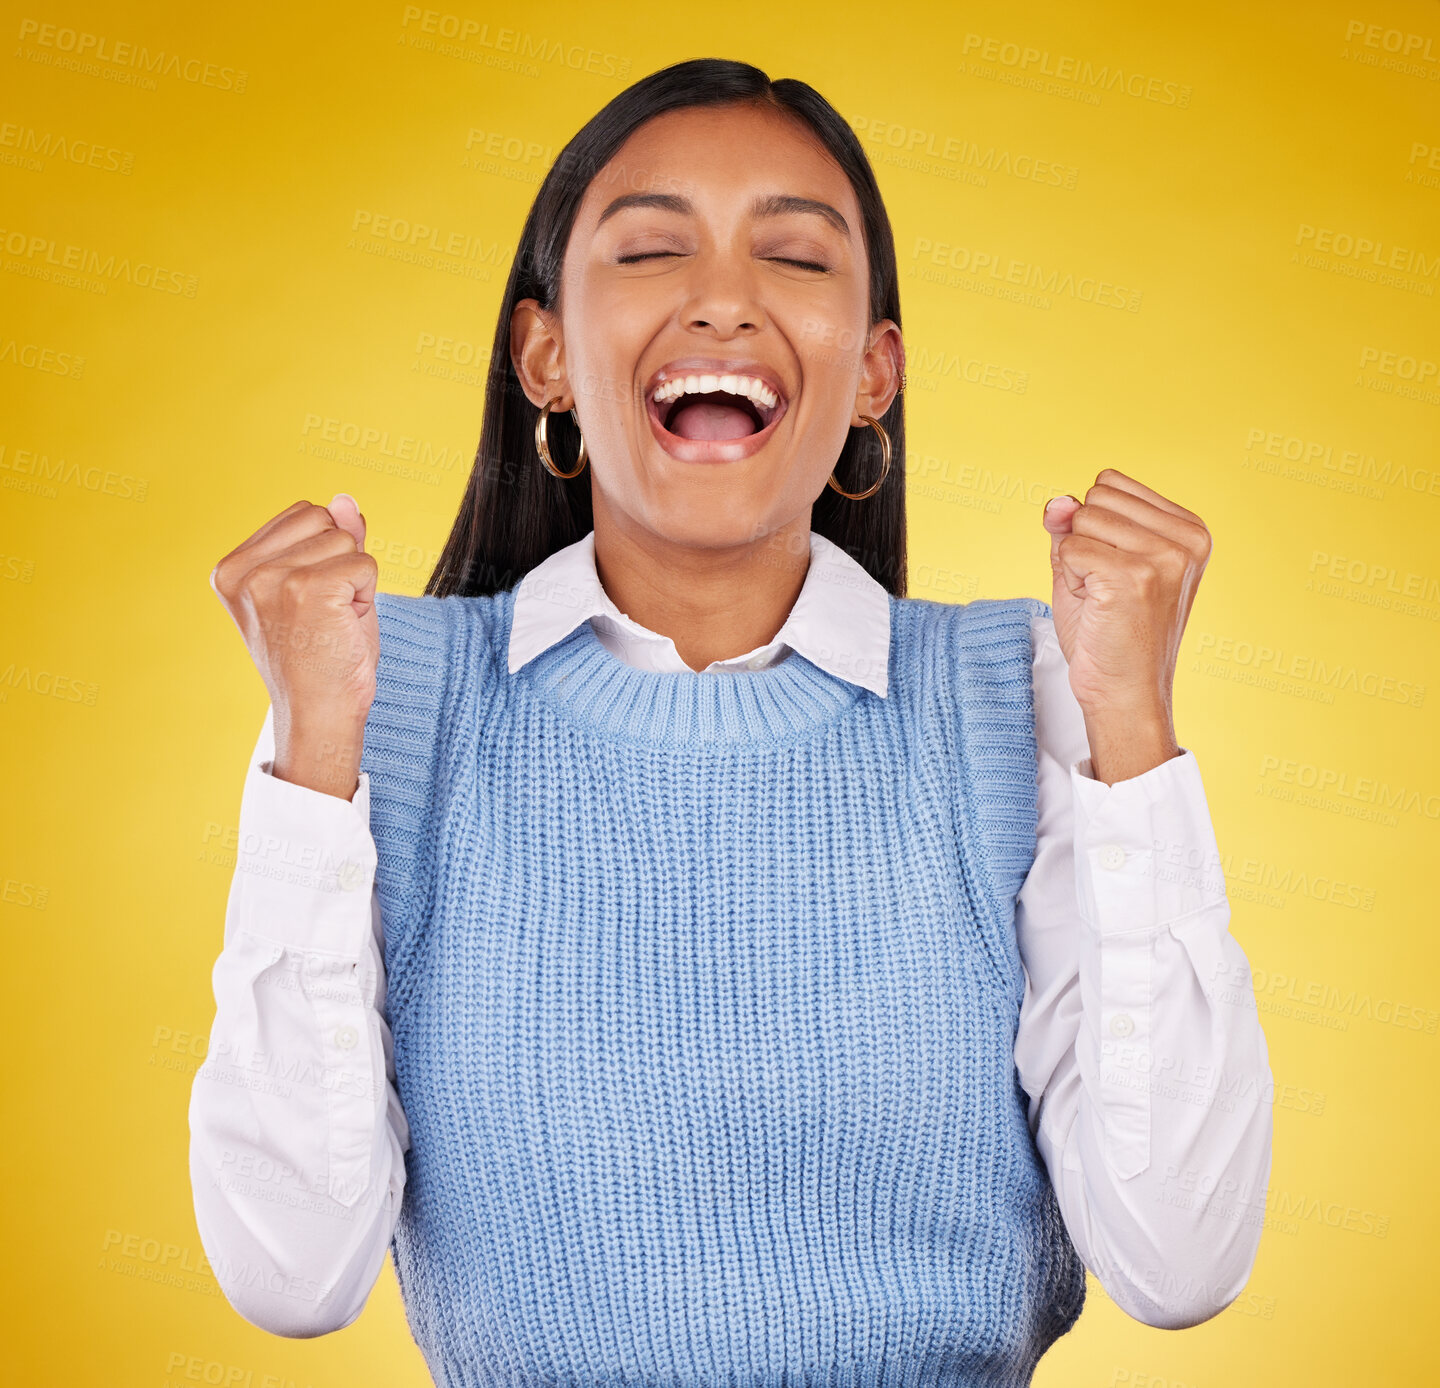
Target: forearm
column 319, row 753
column 1125, row 743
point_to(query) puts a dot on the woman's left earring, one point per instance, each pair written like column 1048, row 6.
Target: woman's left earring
column 884, row 466
column 542, row 446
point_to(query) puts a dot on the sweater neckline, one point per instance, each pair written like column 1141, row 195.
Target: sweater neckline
column 585, row 683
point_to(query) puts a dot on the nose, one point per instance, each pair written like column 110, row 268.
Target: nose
column 723, row 298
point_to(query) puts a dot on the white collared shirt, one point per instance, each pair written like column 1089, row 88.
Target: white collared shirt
column 1147, row 1080
column 840, row 621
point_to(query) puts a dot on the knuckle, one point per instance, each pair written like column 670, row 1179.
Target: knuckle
column 1148, row 576
column 295, row 584
column 228, row 578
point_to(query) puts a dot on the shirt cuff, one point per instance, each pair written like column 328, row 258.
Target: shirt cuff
column 1145, row 854
column 305, row 865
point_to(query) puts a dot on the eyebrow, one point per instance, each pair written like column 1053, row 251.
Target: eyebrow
column 766, row 205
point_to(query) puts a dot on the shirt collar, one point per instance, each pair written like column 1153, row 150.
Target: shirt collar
column 840, row 620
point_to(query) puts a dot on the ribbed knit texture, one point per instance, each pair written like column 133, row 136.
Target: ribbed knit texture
column 704, row 990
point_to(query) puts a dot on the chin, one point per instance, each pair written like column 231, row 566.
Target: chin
column 699, row 519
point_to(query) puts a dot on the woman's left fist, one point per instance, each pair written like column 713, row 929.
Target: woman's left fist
column 1126, row 564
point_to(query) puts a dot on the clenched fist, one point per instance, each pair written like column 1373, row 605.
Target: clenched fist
column 1126, row 563
column 301, row 590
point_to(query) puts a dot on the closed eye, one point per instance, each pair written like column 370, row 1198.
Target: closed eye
column 779, row 259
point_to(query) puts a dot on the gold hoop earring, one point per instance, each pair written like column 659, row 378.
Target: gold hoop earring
column 884, row 468
column 542, row 446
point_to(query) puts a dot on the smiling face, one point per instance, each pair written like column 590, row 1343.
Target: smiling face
column 713, row 327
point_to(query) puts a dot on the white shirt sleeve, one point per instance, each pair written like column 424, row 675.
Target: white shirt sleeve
column 297, row 1134
column 1139, row 1042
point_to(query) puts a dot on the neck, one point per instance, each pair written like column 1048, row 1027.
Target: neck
column 715, row 601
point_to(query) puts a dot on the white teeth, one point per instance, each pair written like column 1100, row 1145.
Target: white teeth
column 748, row 386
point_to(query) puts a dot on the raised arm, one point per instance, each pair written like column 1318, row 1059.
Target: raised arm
column 297, row 1133
column 1139, row 1042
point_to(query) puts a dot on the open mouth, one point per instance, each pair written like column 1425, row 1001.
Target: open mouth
column 715, row 408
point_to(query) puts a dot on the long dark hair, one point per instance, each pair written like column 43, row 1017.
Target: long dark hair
column 515, row 513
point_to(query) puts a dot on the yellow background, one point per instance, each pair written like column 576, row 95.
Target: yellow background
column 203, row 405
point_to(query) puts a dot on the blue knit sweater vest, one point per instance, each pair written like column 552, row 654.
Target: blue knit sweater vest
column 704, row 990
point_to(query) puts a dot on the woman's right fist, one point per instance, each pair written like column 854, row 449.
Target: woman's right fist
column 301, row 590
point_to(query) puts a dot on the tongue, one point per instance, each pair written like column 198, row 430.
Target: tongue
column 704, row 419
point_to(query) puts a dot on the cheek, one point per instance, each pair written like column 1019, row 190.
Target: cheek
column 831, row 351
column 605, row 336
column 602, row 392
column 832, row 348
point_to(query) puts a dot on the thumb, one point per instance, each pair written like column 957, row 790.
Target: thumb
column 1058, row 513
column 345, row 512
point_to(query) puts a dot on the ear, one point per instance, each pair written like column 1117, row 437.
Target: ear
column 881, row 370
column 538, row 354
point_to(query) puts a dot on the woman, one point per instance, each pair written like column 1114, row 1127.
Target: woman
column 764, row 973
